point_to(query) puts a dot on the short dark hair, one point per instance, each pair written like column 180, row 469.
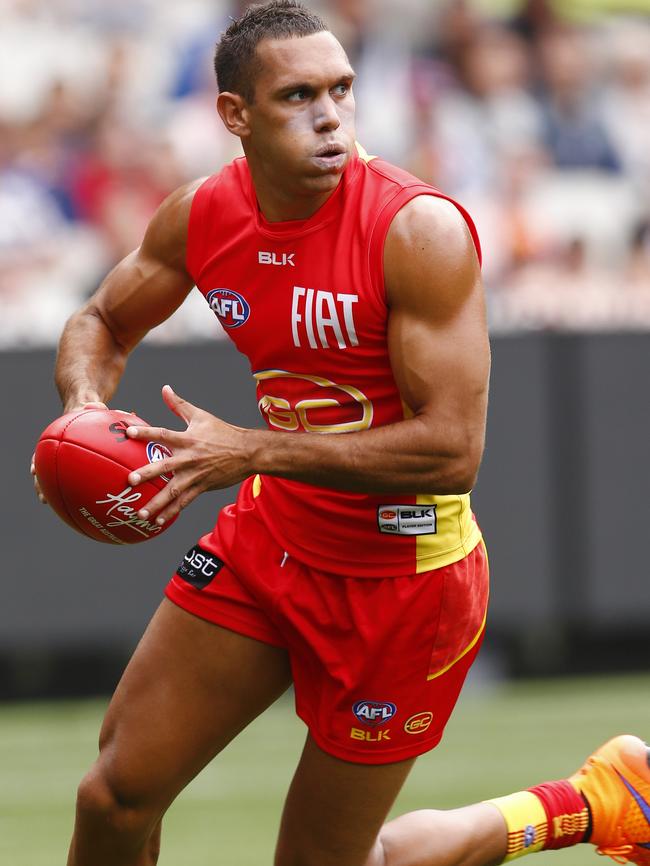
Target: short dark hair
column 235, row 61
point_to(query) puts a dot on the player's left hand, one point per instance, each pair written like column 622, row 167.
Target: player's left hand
column 208, row 455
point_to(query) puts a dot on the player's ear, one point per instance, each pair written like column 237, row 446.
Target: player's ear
column 233, row 110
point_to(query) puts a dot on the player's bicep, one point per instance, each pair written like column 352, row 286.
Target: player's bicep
column 439, row 368
column 137, row 295
column 437, row 333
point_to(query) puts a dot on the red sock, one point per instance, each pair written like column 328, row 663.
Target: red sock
column 566, row 811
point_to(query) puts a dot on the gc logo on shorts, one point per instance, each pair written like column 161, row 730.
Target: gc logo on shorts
column 419, row 723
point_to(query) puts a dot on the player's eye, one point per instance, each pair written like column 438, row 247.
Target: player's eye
column 298, row 95
column 341, row 89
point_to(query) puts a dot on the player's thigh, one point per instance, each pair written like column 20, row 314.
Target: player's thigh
column 190, row 687
column 335, row 809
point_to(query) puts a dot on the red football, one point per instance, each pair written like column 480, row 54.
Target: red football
column 82, row 463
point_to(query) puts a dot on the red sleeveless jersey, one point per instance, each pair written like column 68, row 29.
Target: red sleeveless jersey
column 304, row 301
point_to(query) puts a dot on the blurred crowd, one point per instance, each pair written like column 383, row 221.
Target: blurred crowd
column 537, row 122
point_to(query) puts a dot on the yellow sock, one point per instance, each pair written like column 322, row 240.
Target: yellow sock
column 547, row 816
column 526, row 822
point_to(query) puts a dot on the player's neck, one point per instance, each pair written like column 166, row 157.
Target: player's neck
column 275, row 208
column 277, row 205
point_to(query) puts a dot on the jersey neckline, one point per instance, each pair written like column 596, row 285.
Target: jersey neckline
column 325, row 214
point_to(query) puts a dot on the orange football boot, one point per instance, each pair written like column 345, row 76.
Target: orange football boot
column 616, row 782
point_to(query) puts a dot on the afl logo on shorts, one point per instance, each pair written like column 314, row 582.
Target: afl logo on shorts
column 229, row 307
column 156, row 452
column 374, row 713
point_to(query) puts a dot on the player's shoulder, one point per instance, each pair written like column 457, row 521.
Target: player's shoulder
column 432, row 220
column 174, row 212
column 430, row 243
column 424, row 217
column 166, row 237
column 430, row 238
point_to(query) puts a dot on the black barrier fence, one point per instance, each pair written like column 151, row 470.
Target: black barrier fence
column 561, row 499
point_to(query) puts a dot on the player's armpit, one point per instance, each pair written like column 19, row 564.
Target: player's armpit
column 437, row 331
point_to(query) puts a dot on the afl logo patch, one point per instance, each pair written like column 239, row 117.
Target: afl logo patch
column 156, row 452
column 373, row 713
column 229, row 307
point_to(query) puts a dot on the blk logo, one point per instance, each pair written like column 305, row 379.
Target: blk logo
column 229, row 307
column 369, row 736
column 276, row 259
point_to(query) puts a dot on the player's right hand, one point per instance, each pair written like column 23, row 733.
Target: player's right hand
column 32, row 468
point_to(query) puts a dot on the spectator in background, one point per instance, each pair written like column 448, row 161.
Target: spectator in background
column 481, row 130
column 191, row 126
column 626, row 98
column 46, row 261
column 533, row 19
column 574, row 127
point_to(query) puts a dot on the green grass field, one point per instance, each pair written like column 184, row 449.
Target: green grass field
column 501, row 739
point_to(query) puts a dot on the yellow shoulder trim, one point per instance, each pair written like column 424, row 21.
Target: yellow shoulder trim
column 363, row 154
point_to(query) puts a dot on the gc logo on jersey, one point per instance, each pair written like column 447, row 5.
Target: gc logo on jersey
column 374, row 713
column 312, row 413
column 229, row 307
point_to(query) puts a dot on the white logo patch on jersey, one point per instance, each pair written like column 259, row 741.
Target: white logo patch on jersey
column 276, row 259
column 407, row 519
column 322, row 317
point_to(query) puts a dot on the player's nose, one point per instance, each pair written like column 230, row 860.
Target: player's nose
column 326, row 116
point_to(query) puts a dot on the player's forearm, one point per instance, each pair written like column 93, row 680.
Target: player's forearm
column 90, row 362
column 407, row 457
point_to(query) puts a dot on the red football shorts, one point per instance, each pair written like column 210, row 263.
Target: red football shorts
column 378, row 663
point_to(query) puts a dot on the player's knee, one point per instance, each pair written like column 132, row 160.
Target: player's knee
column 105, row 802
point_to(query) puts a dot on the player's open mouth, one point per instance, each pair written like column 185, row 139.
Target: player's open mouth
column 331, row 156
